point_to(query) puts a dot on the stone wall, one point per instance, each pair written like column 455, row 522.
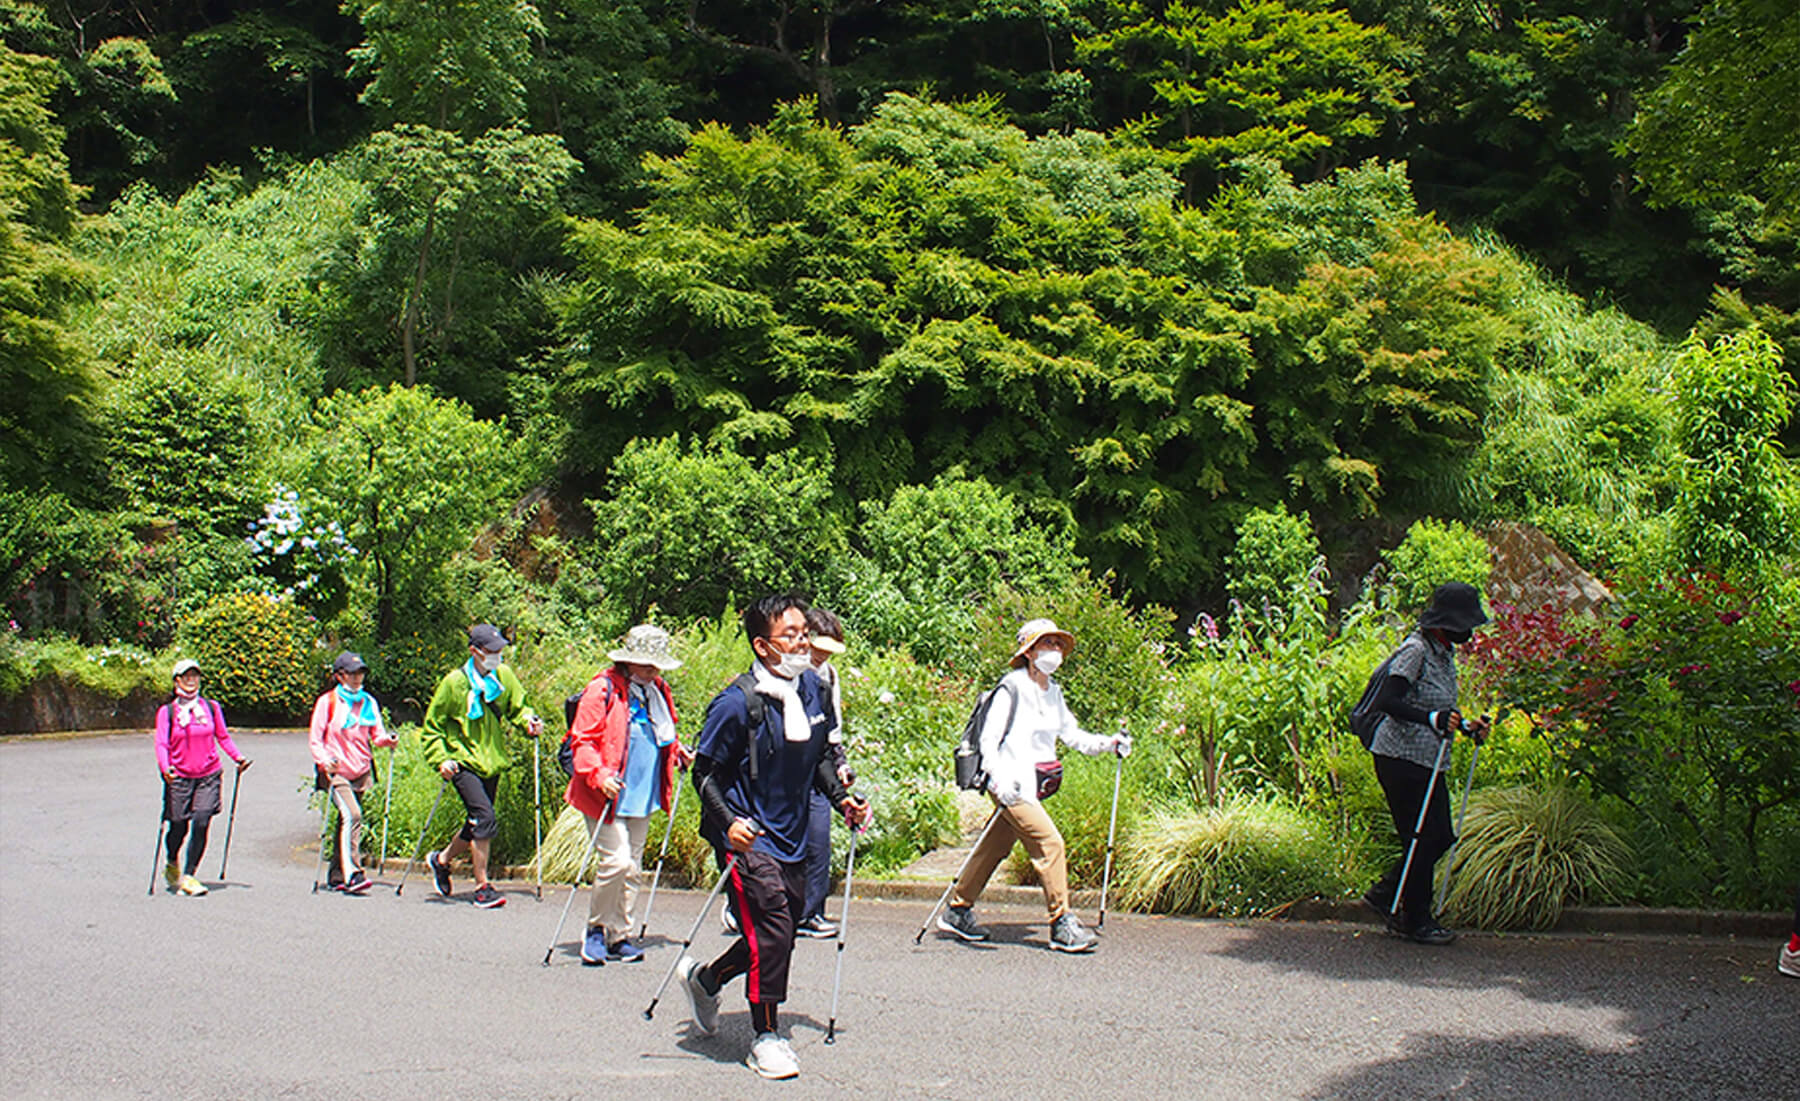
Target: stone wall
column 51, row 705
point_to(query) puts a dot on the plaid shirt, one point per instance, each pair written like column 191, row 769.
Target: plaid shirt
column 1430, row 668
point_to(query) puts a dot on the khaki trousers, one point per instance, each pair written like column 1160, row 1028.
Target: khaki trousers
column 620, row 846
column 1027, row 823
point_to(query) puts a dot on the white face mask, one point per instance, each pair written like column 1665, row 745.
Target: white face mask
column 794, row 664
column 1048, row 661
column 486, row 662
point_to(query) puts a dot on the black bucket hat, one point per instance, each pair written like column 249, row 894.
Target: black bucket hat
column 1455, row 606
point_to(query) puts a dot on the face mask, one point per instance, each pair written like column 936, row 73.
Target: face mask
column 1457, row 638
column 487, row 663
column 1048, row 662
column 794, row 664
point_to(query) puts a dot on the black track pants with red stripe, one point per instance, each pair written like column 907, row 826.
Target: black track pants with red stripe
column 767, row 895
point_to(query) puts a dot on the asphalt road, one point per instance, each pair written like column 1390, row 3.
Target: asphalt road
column 262, row 989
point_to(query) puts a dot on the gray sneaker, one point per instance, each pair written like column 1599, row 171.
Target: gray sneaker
column 959, row 921
column 704, row 1003
column 1067, row 935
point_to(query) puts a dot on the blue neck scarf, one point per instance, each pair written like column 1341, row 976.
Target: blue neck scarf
column 360, row 707
column 482, row 687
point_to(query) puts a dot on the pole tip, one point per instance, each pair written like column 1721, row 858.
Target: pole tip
column 649, row 1015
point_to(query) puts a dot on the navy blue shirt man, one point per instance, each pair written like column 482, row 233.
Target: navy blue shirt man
column 761, row 754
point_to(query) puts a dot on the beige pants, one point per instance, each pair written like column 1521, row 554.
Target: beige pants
column 349, row 840
column 620, row 846
column 1028, row 823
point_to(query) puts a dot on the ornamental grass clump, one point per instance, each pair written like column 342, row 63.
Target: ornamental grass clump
column 1247, row 857
column 1528, row 852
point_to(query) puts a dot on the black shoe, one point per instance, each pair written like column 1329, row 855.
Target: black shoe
column 1430, row 932
column 1391, row 918
column 817, row 927
column 440, row 873
column 486, row 898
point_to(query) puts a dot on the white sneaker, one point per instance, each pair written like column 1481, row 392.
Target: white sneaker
column 1789, row 962
column 704, row 1005
column 771, row 1057
column 729, row 921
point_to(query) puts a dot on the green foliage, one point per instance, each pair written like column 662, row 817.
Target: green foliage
column 932, row 554
column 417, row 785
column 456, row 66
column 1526, row 853
column 1274, row 550
column 1296, row 82
column 1433, row 552
column 1737, row 506
column 116, row 670
column 44, row 423
column 1249, row 857
column 407, row 478
column 701, row 529
column 1684, row 715
column 1721, row 122
column 258, row 654
column 182, row 445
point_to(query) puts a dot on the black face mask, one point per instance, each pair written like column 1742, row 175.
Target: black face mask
column 1457, row 638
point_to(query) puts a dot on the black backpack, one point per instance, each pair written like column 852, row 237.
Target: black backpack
column 565, row 753
column 1364, row 719
column 970, row 775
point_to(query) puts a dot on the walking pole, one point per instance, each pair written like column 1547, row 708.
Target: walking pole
column 843, row 923
column 423, row 834
column 537, row 819
column 995, row 817
column 1112, row 829
column 162, row 824
column 387, row 803
column 574, row 887
column 324, row 832
column 661, row 854
column 650, row 1010
column 1450, row 857
column 236, row 779
column 1406, row 866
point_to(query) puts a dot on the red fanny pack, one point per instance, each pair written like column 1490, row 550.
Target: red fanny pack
column 1049, row 778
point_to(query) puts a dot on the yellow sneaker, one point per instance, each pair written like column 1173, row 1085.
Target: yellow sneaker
column 192, row 886
column 172, row 874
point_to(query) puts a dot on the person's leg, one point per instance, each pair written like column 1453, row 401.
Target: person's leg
column 982, row 862
column 349, row 831
column 1044, row 844
column 480, row 826
column 178, row 832
column 1404, row 783
column 818, row 857
column 637, row 832
column 196, row 844
column 606, row 902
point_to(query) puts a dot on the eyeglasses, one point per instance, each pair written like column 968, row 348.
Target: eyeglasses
column 788, row 636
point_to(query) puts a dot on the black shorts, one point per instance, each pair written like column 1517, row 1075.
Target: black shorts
column 192, row 797
column 477, row 793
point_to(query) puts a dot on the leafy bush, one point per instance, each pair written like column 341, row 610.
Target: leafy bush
column 115, row 669
column 183, row 445
column 1274, row 550
column 1433, row 552
column 1528, row 852
column 258, row 653
column 1249, row 856
column 704, row 529
column 417, row 786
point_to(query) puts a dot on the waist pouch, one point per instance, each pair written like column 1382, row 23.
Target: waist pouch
column 1049, row 778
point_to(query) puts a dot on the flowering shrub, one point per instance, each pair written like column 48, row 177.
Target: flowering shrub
column 258, row 653
column 1684, row 712
column 308, row 558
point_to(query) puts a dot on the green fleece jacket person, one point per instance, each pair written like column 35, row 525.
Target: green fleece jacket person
column 465, row 741
column 475, row 744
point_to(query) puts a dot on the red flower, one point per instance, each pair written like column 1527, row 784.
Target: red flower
column 1686, row 669
column 1626, row 623
column 1728, row 618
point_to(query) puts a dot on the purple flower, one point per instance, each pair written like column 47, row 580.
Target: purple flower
column 1628, row 622
column 1728, row 618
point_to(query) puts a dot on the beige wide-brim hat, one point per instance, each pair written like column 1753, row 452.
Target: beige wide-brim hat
column 1035, row 629
column 646, row 644
column 827, row 643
